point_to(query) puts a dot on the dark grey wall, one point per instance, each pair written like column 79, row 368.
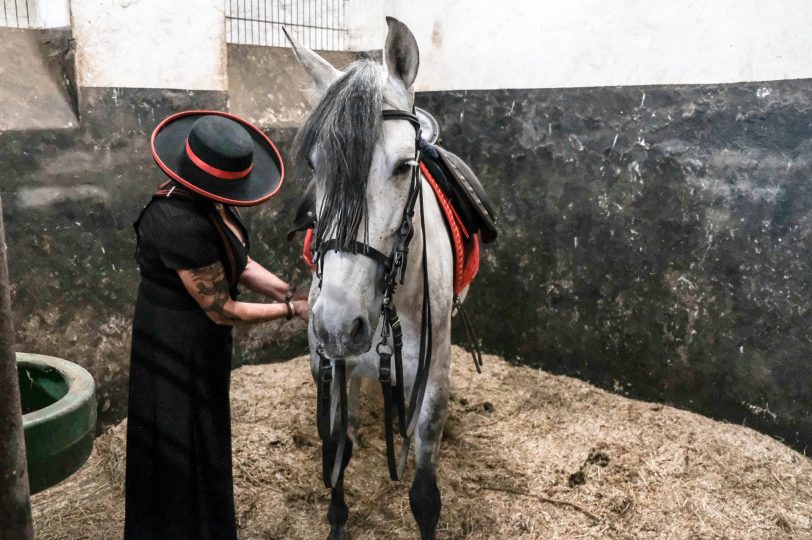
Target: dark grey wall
column 655, row 240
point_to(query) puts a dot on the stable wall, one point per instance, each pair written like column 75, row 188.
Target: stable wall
column 71, row 192
column 76, row 113
column 652, row 193
column 268, row 87
column 479, row 44
column 43, row 98
column 49, row 13
column 150, row 44
column 653, row 238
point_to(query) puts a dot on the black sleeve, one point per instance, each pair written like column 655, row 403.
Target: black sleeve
column 184, row 237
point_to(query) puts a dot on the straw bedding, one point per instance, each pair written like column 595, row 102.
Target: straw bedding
column 525, row 455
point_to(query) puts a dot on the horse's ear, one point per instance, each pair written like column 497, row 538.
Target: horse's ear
column 401, row 53
column 319, row 69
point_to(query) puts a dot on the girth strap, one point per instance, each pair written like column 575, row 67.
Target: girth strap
column 473, row 339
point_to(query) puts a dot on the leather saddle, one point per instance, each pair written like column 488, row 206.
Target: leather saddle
column 463, row 189
column 305, row 217
column 456, row 180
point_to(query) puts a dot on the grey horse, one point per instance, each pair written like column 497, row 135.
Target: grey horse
column 361, row 168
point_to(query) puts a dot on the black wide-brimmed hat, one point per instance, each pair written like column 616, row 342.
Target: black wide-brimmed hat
column 219, row 156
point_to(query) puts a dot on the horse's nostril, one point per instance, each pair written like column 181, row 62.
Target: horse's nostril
column 357, row 328
column 322, row 334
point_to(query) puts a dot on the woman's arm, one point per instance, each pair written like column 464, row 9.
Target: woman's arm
column 209, row 288
column 261, row 281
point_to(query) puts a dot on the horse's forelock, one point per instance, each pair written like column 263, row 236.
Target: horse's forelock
column 343, row 128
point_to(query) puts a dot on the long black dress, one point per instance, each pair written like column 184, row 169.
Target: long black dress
column 178, row 478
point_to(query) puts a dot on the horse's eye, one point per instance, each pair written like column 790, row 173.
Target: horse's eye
column 405, row 167
column 310, row 164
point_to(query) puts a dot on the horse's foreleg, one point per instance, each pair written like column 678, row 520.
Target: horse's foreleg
column 424, row 496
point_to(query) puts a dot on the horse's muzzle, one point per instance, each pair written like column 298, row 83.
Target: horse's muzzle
column 342, row 337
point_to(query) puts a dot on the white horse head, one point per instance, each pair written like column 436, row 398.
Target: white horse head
column 362, row 167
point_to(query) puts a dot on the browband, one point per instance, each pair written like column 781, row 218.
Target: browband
column 394, row 114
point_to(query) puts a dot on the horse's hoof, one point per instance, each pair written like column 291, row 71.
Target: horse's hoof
column 339, row 534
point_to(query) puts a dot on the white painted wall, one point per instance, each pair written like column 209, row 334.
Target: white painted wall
column 366, row 24
column 483, row 44
column 468, row 44
column 49, row 13
column 150, row 43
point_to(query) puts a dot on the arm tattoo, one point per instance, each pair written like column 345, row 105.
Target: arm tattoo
column 212, row 286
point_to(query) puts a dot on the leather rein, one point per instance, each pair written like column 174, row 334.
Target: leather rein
column 334, row 441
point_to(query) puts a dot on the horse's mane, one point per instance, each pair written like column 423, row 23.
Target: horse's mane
column 340, row 135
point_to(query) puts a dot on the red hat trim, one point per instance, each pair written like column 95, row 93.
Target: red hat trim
column 214, row 171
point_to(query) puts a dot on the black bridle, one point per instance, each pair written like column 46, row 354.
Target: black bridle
column 334, row 441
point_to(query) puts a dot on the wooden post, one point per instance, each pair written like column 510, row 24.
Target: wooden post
column 15, row 497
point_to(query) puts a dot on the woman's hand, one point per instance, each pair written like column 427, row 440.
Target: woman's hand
column 301, row 293
column 301, row 309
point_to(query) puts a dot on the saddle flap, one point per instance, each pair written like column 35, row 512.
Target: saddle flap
column 467, row 191
column 305, row 217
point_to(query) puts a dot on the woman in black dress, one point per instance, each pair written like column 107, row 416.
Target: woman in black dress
column 192, row 252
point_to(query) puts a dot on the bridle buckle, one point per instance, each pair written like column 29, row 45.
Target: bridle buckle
column 325, row 367
column 385, row 366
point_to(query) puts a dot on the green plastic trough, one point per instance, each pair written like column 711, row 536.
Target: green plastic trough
column 59, row 417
